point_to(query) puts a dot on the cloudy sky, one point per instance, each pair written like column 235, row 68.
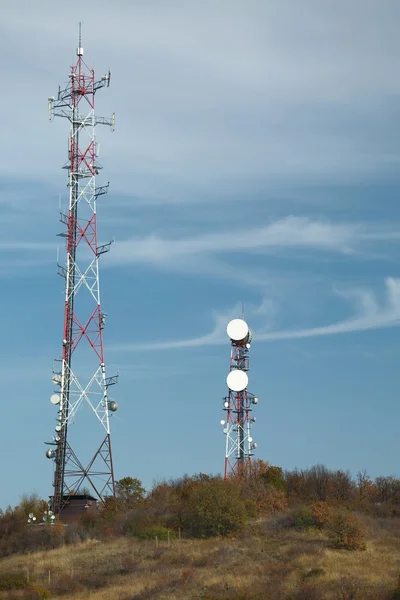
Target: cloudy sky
column 256, row 161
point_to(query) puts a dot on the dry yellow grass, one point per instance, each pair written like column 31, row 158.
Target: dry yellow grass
column 261, row 560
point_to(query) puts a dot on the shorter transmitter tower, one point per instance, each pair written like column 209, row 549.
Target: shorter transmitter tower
column 239, row 402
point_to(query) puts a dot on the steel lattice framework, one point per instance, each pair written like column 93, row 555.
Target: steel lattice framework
column 84, row 320
column 239, row 402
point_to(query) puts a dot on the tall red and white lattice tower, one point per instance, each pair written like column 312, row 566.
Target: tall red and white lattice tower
column 81, row 376
column 239, row 402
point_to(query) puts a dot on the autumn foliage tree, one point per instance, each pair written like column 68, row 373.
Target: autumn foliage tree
column 321, row 513
column 203, row 506
column 17, row 536
column 346, row 530
column 365, row 487
column 215, row 508
column 320, row 484
column 199, row 506
column 264, row 485
column 130, row 493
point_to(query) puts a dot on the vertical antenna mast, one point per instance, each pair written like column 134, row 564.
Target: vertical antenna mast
column 239, row 401
column 82, row 344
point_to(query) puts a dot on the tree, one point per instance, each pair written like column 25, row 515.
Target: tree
column 274, row 476
column 387, row 489
column 346, row 530
column 32, row 503
column 215, row 508
column 260, row 469
column 82, row 491
column 341, row 486
column 364, row 485
column 130, row 493
column 322, row 513
column 365, row 492
column 162, row 500
column 318, row 482
column 295, row 484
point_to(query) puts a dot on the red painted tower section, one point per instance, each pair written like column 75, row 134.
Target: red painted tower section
column 239, row 402
column 81, row 379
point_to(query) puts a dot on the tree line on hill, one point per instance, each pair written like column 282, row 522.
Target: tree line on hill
column 203, row 506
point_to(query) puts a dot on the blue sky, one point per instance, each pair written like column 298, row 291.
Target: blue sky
column 255, row 160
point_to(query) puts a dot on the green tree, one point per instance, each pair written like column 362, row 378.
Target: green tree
column 215, row 508
column 32, row 503
column 130, row 493
column 274, row 476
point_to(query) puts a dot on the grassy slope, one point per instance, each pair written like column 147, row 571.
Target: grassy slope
column 262, row 559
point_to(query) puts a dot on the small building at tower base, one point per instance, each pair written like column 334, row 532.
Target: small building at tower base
column 76, row 506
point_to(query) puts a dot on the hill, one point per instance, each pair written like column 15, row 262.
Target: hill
column 270, row 535
column 269, row 559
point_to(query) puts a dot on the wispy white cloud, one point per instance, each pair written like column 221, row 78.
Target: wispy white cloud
column 213, row 338
column 368, row 314
column 211, row 254
column 210, row 93
column 277, row 95
column 289, row 233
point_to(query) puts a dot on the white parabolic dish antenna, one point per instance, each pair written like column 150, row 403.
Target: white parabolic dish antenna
column 237, row 380
column 55, row 399
column 237, row 330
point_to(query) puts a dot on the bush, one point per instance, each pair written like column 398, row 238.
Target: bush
column 215, row 508
column 275, row 501
column 315, row 572
column 136, row 523
column 91, row 524
column 268, row 500
column 13, row 581
column 346, row 530
column 395, row 595
column 94, row 579
column 74, row 534
column 64, row 584
column 37, row 593
column 263, row 485
column 350, row 588
column 251, row 508
column 162, row 533
column 302, row 518
column 321, row 512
